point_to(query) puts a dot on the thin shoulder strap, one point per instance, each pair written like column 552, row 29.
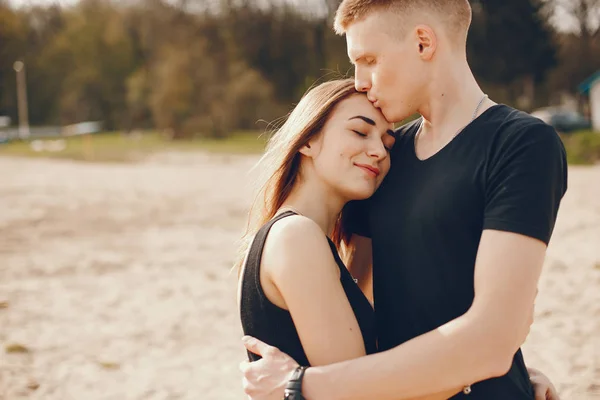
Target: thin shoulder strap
column 258, row 243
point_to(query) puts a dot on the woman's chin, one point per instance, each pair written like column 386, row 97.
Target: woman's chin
column 361, row 194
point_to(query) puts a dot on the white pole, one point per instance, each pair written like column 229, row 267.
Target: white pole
column 595, row 105
column 19, row 67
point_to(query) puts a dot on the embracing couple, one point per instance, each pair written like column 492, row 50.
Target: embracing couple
column 399, row 264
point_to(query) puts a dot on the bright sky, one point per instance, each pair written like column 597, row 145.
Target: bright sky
column 562, row 20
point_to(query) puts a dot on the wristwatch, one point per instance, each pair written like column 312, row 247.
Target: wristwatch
column 293, row 390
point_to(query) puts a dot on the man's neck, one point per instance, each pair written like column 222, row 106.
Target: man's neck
column 452, row 99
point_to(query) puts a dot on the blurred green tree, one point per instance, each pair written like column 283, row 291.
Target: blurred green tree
column 579, row 48
column 198, row 68
column 95, row 57
column 511, row 45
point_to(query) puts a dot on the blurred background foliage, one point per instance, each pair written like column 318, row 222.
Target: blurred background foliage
column 192, row 69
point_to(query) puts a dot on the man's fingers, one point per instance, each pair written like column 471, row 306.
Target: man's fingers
column 540, row 395
column 250, row 391
column 258, row 347
column 244, row 365
column 543, row 395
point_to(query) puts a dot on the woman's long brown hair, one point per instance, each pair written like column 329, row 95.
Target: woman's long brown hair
column 279, row 166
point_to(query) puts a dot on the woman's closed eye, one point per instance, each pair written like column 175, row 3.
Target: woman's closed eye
column 388, row 148
column 359, row 133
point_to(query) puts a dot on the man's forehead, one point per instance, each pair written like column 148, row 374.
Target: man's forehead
column 356, row 45
column 358, row 30
column 361, row 38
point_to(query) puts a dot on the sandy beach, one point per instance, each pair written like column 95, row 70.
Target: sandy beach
column 116, row 281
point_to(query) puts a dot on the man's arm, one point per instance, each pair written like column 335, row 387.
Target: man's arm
column 476, row 346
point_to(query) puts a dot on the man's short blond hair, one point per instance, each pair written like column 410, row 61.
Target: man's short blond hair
column 456, row 14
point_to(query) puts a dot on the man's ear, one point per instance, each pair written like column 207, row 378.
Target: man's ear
column 426, row 41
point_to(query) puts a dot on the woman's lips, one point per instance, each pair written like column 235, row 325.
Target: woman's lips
column 371, row 170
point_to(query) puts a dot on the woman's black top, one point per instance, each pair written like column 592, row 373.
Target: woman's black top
column 274, row 325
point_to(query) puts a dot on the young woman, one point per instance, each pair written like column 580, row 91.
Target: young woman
column 295, row 291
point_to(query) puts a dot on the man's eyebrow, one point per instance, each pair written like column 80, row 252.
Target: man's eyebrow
column 367, row 120
column 391, row 133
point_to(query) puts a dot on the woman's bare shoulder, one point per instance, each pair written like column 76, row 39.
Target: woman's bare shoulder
column 297, row 246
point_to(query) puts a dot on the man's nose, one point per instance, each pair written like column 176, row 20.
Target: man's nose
column 361, row 83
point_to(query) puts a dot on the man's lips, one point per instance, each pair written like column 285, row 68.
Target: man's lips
column 370, row 169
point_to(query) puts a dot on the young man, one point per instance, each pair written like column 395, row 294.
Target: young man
column 459, row 228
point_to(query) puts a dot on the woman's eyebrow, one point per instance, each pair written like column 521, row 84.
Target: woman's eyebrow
column 367, row 120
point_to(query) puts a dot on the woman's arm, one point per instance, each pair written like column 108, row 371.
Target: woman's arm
column 298, row 261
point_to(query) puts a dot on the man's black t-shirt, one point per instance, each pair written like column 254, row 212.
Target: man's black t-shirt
column 505, row 171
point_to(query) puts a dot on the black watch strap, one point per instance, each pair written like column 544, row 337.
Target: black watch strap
column 293, row 390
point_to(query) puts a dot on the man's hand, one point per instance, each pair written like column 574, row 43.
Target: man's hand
column 266, row 379
column 544, row 389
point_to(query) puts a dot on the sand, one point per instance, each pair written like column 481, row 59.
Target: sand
column 115, row 281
